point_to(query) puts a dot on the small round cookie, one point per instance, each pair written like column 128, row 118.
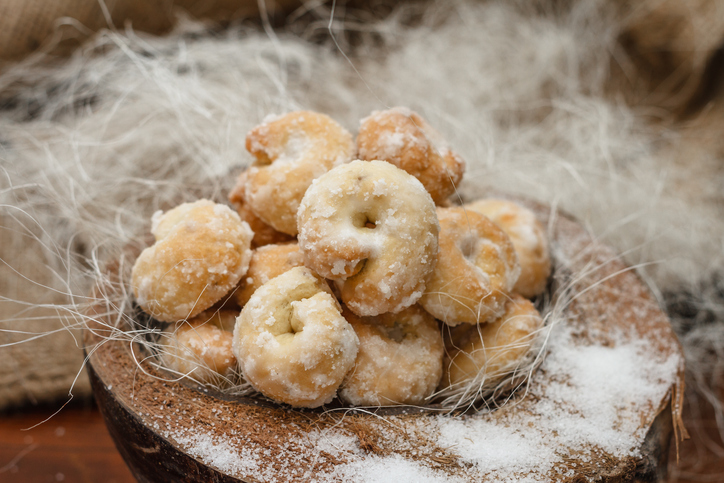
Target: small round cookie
column 399, row 359
column 528, row 237
column 291, row 341
column 263, row 234
column 489, row 352
column 201, row 252
column 476, row 269
column 201, row 347
column 403, row 138
column 266, row 263
column 291, row 151
column 371, row 227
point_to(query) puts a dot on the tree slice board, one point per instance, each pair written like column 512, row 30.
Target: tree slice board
column 601, row 406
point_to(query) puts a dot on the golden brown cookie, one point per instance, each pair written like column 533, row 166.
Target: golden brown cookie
column 291, row 151
column 201, row 252
column 264, row 234
column 486, row 353
column 201, row 347
column 372, row 228
column 475, row 272
column 403, row 138
column 291, row 341
column 266, row 263
column 529, row 239
column 399, row 359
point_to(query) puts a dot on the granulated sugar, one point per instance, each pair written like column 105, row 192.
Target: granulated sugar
column 591, row 394
column 219, row 453
column 584, row 401
column 606, row 386
column 393, row 469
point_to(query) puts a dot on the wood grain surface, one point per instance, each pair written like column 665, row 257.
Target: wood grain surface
column 72, row 446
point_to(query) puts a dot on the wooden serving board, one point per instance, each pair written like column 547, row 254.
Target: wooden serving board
column 602, row 405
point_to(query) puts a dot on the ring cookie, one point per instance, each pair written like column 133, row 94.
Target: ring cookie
column 372, row 228
column 201, row 347
column 264, row 234
column 403, row 138
column 290, row 152
column 489, row 352
column 399, row 359
column 475, row 272
column 529, row 239
column 266, row 263
column 291, row 341
column 201, row 252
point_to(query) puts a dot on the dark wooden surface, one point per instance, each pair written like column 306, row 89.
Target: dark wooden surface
column 74, row 446
column 701, row 458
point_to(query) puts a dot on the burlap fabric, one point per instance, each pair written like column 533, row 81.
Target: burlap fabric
column 40, row 358
column 665, row 49
column 27, row 25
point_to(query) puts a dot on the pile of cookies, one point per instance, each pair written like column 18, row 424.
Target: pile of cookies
column 344, row 271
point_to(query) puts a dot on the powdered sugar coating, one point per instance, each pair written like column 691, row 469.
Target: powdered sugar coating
column 264, row 234
column 291, row 151
column 372, row 228
column 292, row 343
column 403, row 138
column 201, row 347
column 488, row 352
column 266, row 263
column 529, row 239
column 201, row 252
column 399, row 359
column 476, row 269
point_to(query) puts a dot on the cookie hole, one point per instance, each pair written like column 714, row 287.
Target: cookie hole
column 359, row 267
column 396, row 332
column 363, row 220
column 469, row 247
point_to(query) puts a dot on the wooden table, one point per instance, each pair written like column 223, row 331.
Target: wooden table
column 74, row 446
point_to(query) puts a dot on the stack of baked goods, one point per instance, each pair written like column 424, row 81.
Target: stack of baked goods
column 346, row 270
column 337, row 282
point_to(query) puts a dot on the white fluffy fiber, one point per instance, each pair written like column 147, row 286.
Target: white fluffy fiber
column 90, row 148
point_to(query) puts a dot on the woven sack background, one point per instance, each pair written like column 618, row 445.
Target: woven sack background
column 26, row 25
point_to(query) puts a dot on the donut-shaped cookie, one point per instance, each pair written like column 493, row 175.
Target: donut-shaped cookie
column 266, row 263
column 529, row 239
column 201, row 347
column 403, row 138
column 290, row 152
column 476, row 269
column 399, row 359
column 201, row 252
column 489, row 352
column 613, row 318
column 264, row 234
column 371, row 227
column 291, row 341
